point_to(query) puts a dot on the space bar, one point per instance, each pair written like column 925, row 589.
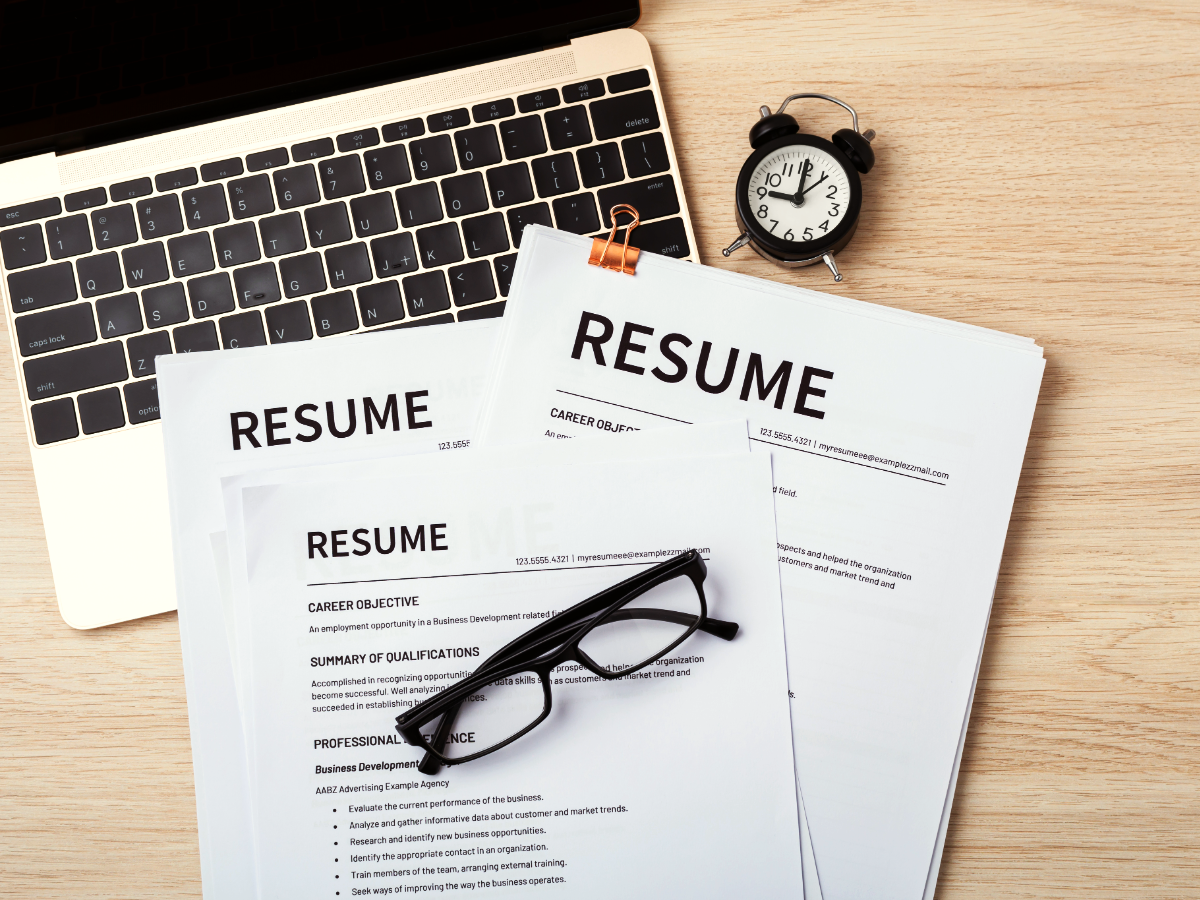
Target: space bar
column 75, row 370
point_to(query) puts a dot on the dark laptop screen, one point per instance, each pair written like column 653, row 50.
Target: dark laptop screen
column 75, row 74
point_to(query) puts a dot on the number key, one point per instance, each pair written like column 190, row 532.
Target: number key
column 68, row 237
column 113, row 227
column 296, row 186
column 205, row 206
column 387, row 167
column 432, row 156
column 251, row 196
column 477, row 147
column 159, row 217
column 342, row 177
column 600, row 165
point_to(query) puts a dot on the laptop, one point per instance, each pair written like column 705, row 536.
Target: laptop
column 200, row 177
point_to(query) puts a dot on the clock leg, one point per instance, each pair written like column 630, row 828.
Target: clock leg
column 828, row 260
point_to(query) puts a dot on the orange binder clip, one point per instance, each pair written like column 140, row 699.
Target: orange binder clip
column 626, row 260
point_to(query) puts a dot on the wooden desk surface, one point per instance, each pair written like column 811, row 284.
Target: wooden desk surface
column 1037, row 174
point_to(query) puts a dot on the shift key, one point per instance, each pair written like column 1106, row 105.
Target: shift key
column 652, row 198
column 75, row 370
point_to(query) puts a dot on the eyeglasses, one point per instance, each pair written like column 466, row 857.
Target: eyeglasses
column 614, row 633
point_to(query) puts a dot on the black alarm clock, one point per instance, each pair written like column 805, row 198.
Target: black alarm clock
column 799, row 195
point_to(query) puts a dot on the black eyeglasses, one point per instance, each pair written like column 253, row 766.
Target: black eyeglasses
column 614, row 633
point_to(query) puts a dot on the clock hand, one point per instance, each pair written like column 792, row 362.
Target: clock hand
column 781, row 196
column 805, row 168
column 818, row 181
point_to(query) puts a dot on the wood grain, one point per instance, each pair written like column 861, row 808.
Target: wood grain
column 1038, row 173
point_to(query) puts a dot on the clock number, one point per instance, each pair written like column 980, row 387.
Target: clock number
column 774, row 224
column 774, row 179
column 762, row 211
column 832, row 192
column 808, row 234
column 789, row 236
column 834, row 212
column 788, row 169
column 824, row 226
column 762, row 192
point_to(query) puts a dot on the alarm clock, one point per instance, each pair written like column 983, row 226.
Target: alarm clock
column 799, row 195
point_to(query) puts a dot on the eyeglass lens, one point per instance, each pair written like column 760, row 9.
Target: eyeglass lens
column 492, row 715
column 632, row 635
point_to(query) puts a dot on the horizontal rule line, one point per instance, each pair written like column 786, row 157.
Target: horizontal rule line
column 622, row 406
column 852, row 462
column 474, row 574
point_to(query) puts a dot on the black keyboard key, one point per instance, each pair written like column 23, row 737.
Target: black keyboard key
column 302, row 275
column 372, row 215
column 568, row 128
column 100, row 274
column 472, row 283
column 267, row 159
column 194, row 338
column 357, row 140
column 487, row 311
column 455, row 118
column 348, row 265
column 426, row 293
column 296, row 187
column 38, row 288
column 465, row 194
column 131, row 190
column 652, row 198
column 243, row 330
column 394, row 255
column 289, row 322
column 645, row 155
column 439, row 245
column 334, row 313
column 432, row 156
column 523, row 137
column 576, row 214
column 118, row 315
column 387, row 167
column 141, row 399
column 159, row 217
column 600, row 165
column 555, row 175
column 173, row 181
column 86, row 199
column 282, row 234
column 101, row 410
column 497, row 109
column 666, row 238
column 540, row 100
column 583, row 90
column 477, row 147
column 147, row 263
column 504, row 271
column 190, row 255
column 143, row 349
column 204, row 207
column 510, row 184
column 55, row 329
column 485, row 235
column 226, row 168
column 251, row 196
column 256, row 285
column 380, row 303
column 164, row 305
column 402, row 131
column 236, row 244
column 628, row 81
column 419, row 205
column 342, row 177
column 624, row 114
column 29, row 212
column 312, row 149
column 534, row 214
column 327, row 225
column 68, row 237
column 443, row 319
column 210, row 295
column 54, row 421
column 75, row 370
column 23, row 247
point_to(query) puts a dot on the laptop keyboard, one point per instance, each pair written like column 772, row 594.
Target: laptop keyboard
column 400, row 224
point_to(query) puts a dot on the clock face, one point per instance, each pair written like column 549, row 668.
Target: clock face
column 798, row 193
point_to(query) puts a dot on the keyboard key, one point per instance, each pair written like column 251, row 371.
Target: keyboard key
column 477, row 147
column 267, row 159
column 226, row 168
column 23, row 247
column 256, row 285
column 101, row 410
column 55, row 329
column 68, row 237
column 546, row 99
column 118, row 315
column 555, row 175
column 624, row 114
column 173, row 181
column 327, row 224
column 576, row 214
column 497, row 109
column 147, row 263
column 190, row 255
column 312, row 149
column 342, row 177
column 402, row 131
column 455, row 118
column 236, row 244
column 523, row 137
column 289, row 322
column 534, row 214
column 472, row 283
column 334, row 313
column 394, row 255
column 143, row 349
column 86, row 199
column 55, row 421
column 131, row 190
column 210, row 295
column 652, row 198
column 419, row 205
column 282, row 234
column 194, row 338
column 302, row 275
column 159, row 217
column 141, row 399
column 465, row 194
column 432, row 156
column 426, row 293
column 387, row 167
column 666, row 238
column 600, row 165
column 243, row 330
column 628, row 81
column 439, row 244
column 75, row 370
column 251, row 196
column 509, row 184
column 485, row 235
column 357, row 140
column 380, row 303
column 164, row 305
column 348, row 265
column 38, row 288
column 568, row 128
column 487, row 311
column 296, row 187
column 29, row 212
column 373, row 215
column 645, row 155
column 100, row 274
column 583, row 90
column 204, row 207
column 504, row 271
